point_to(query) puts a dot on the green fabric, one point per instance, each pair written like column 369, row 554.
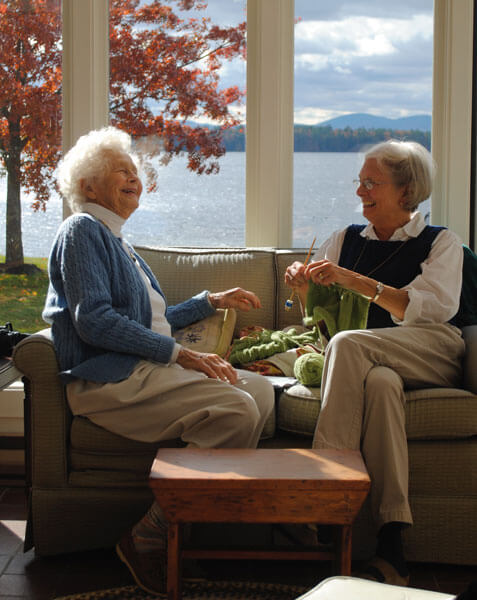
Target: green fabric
column 262, row 344
column 308, row 368
column 467, row 314
column 339, row 308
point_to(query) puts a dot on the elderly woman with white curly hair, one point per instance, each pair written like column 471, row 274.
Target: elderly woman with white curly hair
column 112, row 331
column 412, row 274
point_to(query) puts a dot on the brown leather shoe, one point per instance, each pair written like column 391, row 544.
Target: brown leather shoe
column 149, row 569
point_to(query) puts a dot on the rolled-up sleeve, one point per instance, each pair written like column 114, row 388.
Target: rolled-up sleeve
column 331, row 247
column 434, row 294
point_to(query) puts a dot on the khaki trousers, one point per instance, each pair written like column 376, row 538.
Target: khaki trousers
column 362, row 395
column 159, row 403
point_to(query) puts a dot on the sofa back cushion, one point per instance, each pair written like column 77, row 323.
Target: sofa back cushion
column 184, row 272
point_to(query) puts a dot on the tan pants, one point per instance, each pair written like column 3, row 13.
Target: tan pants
column 362, row 394
column 160, row 403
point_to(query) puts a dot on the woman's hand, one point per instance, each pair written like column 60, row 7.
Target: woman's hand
column 235, row 298
column 296, row 279
column 212, row 365
column 325, row 272
column 295, row 276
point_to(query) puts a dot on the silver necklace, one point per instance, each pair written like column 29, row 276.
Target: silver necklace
column 393, row 253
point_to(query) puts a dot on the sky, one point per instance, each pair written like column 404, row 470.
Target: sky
column 370, row 56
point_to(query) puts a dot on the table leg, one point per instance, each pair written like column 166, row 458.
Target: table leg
column 174, row 575
column 343, row 549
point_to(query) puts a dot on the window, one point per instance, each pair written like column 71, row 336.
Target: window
column 177, row 77
column 30, row 122
column 361, row 72
column 270, row 30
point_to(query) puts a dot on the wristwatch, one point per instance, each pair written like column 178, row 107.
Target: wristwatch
column 379, row 291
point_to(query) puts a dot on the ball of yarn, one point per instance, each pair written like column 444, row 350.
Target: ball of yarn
column 308, row 368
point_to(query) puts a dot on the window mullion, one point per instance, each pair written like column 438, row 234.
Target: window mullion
column 269, row 159
column 85, row 68
column 452, row 114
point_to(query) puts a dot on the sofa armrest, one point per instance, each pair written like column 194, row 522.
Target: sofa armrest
column 49, row 414
column 470, row 359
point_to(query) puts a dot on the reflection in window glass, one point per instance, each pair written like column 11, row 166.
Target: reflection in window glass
column 177, row 81
column 357, row 65
column 30, row 126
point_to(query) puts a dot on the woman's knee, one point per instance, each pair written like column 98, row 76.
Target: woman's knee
column 381, row 379
column 384, row 392
column 345, row 341
column 244, row 408
column 259, row 388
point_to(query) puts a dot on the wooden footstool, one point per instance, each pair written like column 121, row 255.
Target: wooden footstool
column 257, row 486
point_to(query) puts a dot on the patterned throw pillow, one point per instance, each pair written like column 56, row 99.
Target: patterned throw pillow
column 212, row 334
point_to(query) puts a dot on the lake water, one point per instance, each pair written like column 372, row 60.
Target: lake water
column 209, row 210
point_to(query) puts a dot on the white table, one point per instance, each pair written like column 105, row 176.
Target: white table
column 8, row 373
column 352, row 588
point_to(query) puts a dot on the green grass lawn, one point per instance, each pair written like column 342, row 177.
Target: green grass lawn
column 22, row 297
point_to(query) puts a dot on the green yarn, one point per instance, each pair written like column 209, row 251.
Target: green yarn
column 308, row 369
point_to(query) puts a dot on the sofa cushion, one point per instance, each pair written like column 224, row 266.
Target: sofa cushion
column 184, row 272
column 298, row 409
column 97, row 453
column 440, row 414
column 99, row 457
column 86, row 436
column 431, row 414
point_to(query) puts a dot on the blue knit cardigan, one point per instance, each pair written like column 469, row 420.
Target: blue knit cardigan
column 99, row 307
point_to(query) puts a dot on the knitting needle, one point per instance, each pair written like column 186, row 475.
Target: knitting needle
column 289, row 302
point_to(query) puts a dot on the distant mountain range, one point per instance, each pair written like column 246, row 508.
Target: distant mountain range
column 348, row 133
column 365, row 121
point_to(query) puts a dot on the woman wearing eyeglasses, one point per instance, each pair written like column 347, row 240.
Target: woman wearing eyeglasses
column 412, row 274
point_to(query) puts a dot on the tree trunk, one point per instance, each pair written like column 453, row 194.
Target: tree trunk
column 14, row 244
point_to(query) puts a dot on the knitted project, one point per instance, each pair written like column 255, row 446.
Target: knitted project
column 261, row 344
column 340, row 309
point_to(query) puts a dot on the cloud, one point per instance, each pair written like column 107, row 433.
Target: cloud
column 351, row 56
column 340, row 9
column 363, row 64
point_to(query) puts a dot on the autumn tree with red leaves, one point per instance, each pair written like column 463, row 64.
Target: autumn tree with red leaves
column 164, row 73
column 30, row 109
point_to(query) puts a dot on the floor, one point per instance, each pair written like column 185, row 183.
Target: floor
column 24, row 576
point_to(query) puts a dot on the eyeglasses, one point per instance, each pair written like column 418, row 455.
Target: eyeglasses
column 368, row 183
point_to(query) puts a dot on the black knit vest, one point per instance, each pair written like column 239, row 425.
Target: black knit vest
column 392, row 263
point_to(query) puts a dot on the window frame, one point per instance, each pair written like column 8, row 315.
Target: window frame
column 452, row 115
column 85, row 70
column 269, row 158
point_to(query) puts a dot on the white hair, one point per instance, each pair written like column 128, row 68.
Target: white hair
column 89, row 158
column 410, row 165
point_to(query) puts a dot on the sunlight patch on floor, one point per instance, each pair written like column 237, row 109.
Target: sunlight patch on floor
column 16, row 528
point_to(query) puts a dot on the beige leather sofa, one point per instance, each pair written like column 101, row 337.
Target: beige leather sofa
column 88, row 485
